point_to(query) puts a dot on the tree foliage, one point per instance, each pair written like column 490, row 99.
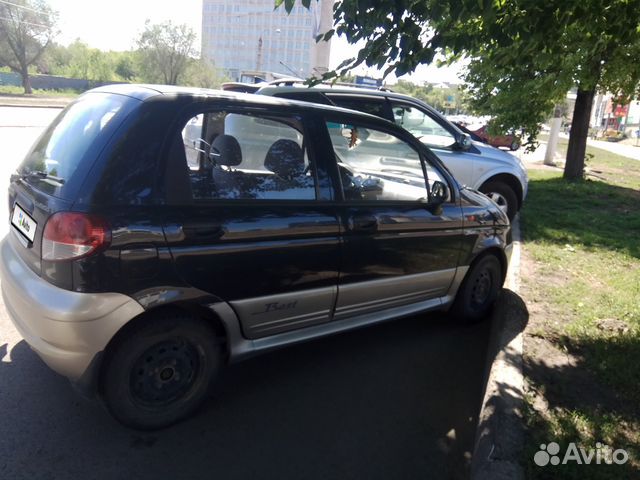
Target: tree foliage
column 438, row 98
column 164, row 52
column 524, row 55
column 26, row 29
column 202, row 73
column 78, row 60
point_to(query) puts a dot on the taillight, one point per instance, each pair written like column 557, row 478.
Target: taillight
column 69, row 235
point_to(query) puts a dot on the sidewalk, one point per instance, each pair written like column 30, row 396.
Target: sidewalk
column 626, row 150
column 35, row 101
column 536, row 159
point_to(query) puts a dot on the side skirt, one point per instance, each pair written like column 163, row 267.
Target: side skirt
column 241, row 348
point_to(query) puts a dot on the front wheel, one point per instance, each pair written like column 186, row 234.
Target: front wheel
column 160, row 371
column 503, row 195
column 479, row 290
column 515, row 145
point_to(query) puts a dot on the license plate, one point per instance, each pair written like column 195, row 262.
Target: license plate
column 24, row 223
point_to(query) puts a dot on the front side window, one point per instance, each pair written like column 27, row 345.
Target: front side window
column 422, row 126
column 376, row 165
column 235, row 156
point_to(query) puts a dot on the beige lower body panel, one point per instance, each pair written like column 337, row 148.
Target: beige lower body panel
column 66, row 329
column 365, row 297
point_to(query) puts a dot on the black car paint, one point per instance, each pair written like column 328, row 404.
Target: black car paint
column 166, row 250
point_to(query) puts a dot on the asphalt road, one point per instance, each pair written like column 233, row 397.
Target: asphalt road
column 398, row 400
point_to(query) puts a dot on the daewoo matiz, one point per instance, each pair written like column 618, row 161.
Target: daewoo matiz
column 158, row 233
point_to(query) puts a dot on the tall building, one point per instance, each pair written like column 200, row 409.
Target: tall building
column 245, row 36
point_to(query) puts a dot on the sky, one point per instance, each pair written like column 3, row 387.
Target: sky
column 114, row 25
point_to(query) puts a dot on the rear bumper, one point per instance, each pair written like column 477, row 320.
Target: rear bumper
column 66, row 329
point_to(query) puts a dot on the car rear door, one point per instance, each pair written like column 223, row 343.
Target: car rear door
column 398, row 249
column 252, row 223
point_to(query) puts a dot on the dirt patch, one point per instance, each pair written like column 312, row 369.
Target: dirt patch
column 564, row 396
column 547, row 351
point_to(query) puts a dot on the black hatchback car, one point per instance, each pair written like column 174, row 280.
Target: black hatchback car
column 158, row 233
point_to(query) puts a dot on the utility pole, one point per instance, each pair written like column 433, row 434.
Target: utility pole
column 259, row 59
column 552, row 144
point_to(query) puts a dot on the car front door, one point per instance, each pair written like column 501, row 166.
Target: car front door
column 398, row 248
column 249, row 222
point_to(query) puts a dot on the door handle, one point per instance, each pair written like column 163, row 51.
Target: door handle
column 363, row 223
column 208, row 233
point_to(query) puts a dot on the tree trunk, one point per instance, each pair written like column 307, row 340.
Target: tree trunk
column 574, row 168
column 26, row 81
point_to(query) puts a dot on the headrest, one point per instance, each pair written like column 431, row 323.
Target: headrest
column 225, row 150
column 285, row 158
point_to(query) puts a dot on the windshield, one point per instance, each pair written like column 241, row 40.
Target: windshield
column 58, row 153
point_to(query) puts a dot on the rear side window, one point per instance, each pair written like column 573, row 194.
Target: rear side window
column 56, row 157
column 241, row 156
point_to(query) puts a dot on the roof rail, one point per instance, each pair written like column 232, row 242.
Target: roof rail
column 286, row 81
column 297, row 81
column 241, row 87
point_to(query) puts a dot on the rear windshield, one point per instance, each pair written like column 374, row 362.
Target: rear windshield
column 79, row 129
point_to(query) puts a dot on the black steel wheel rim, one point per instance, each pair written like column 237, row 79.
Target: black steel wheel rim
column 481, row 288
column 164, row 373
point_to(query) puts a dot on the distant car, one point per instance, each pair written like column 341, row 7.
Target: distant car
column 474, row 136
column 160, row 233
column 512, row 142
column 498, row 174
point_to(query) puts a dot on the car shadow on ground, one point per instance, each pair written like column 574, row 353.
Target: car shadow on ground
column 398, row 400
column 500, row 434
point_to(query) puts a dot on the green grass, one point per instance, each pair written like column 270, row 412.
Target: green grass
column 589, row 233
column 585, row 430
column 585, row 240
column 12, row 90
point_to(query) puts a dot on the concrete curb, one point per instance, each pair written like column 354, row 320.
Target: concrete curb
column 499, row 434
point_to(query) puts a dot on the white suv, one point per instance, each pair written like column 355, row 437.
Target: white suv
column 494, row 172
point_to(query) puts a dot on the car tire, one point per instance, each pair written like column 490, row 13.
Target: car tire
column 479, row 290
column 503, row 195
column 160, row 372
column 515, row 145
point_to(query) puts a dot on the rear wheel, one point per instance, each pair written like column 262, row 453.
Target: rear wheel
column 160, row 372
column 515, row 145
column 479, row 290
column 503, row 195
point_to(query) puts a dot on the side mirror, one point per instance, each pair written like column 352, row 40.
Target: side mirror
column 464, row 142
column 374, row 185
column 439, row 192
